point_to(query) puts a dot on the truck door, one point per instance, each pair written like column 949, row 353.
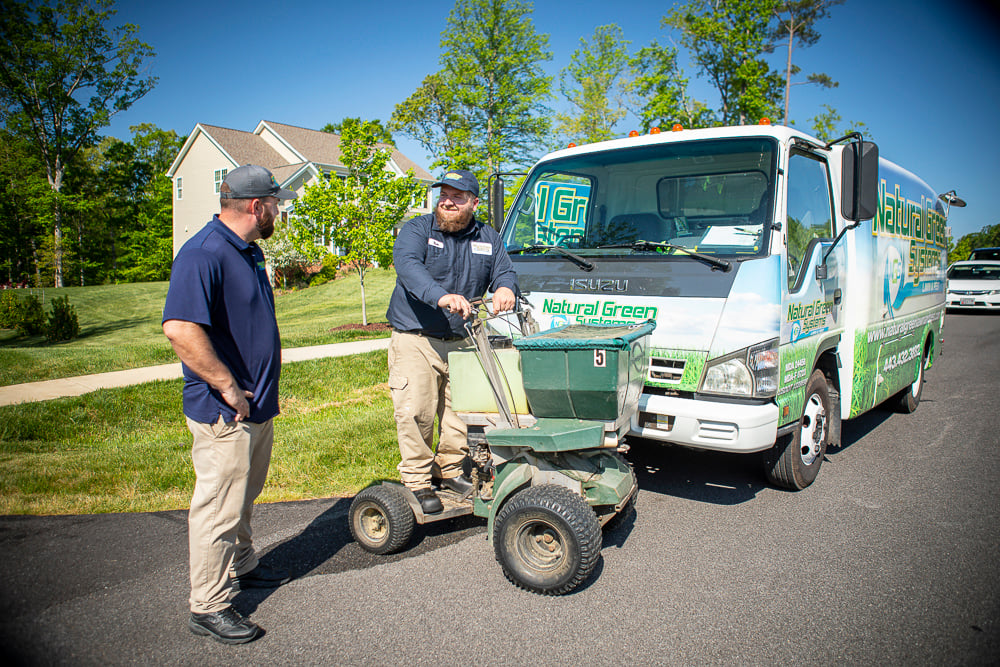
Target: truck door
column 810, row 306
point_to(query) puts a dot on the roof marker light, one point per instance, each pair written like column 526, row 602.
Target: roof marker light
column 677, row 127
column 633, row 133
column 571, row 145
column 764, row 121
column 654, row 130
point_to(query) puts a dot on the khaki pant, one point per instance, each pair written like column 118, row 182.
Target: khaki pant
column 230, row 464
column 418, row 378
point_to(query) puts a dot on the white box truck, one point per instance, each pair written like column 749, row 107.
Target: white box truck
column 794, row 283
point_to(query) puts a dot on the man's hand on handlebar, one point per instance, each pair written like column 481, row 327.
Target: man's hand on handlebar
column 456, row 303
column 503, row 300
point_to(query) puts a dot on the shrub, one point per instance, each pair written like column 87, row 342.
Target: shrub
column 32, row 316
column 10, row 309
column 331, row 263
column 62, row 323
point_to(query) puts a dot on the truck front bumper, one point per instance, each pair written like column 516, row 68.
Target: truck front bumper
column 724, row 427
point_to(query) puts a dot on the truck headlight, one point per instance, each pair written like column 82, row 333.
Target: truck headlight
column 750, row 372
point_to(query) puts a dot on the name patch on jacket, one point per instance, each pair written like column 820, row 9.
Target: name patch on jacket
column 480, row 248
column 435, row 243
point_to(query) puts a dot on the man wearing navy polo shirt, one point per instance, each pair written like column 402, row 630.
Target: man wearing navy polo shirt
column 443, row 260
column 219, row 317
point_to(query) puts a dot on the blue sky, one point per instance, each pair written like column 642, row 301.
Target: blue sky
column 924, row 76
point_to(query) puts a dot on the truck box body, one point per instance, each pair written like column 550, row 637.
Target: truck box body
column 743, row 315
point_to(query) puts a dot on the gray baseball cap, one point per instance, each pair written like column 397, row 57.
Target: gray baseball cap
column 460, row 179
column 253, row 182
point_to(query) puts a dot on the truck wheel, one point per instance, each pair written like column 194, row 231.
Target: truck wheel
column 794, row 461
column 547, row 539
column 907, row 400
column 381, row 519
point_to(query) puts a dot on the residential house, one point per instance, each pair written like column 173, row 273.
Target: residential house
column 294, row 155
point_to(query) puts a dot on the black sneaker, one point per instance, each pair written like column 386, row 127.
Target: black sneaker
column 261, row 577
column 226, row 626
column 429, row 502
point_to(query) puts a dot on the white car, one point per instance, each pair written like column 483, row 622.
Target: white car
column 974, row 284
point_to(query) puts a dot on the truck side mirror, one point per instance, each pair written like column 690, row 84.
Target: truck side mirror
column 496, row 202
column 859, row 186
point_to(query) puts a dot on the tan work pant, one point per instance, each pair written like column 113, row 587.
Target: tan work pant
column 418, row 378
column 230, row 464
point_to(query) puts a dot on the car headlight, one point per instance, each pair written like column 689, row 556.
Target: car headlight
column 750, row 372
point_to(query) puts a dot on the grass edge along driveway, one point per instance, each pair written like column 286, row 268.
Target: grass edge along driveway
column 129, row 450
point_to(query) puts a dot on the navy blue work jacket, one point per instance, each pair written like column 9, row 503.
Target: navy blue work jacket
column 431, row 263
column 218, row 281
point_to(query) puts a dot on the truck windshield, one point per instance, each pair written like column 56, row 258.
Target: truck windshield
column 714, row 197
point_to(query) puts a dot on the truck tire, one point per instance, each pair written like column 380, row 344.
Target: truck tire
column 381, row 519
column 794, row 460
column 907, row 400
column 547, row 539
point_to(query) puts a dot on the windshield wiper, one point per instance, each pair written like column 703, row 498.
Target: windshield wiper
column 541, row 247
column 714, row 262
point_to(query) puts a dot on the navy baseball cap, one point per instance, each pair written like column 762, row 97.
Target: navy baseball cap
column 253, row 182
column 460, row 179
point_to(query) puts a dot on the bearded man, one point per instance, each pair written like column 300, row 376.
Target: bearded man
column 219, row 317
column 443, row 260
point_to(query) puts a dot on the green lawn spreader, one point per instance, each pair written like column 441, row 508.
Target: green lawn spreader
column 546, row 416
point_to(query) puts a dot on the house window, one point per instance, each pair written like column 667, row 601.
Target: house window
column 220, row 175
column 180, row 188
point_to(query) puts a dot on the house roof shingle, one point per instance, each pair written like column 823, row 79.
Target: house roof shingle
column 324, row 148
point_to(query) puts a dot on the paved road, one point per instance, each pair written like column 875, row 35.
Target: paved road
column 889, row 558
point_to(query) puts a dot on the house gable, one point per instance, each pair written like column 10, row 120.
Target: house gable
column 295, row 155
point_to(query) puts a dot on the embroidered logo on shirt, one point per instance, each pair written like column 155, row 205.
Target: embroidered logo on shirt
column 480, row 248
column 435, row 243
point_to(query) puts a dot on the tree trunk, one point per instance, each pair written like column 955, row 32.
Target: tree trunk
column 364, row 310
column 788, row 70
column 55, row 180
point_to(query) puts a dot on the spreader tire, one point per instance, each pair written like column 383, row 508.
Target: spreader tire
column 547, row 539
column 381, row 519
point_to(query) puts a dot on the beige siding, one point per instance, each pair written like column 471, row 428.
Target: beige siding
column 200, row 200
column 279, row 146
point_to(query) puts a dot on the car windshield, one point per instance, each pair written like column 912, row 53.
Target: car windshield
column 713, row 197
column 975, row 272
column 985, row 253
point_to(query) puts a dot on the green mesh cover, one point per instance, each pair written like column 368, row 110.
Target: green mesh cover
column 586, row 337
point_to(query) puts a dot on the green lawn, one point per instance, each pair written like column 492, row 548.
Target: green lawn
column 120, row 326
column 128, row 449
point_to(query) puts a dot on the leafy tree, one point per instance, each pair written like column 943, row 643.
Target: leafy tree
column 485, row 110
column 987, row 237
column 283, row 257
column 657, row 91
column 63, row 75
column 728, row 39
column 593, row 83
column 796, row 21
column 359, row 210
column 826, row 125
column 383, row 135
column 24, row 198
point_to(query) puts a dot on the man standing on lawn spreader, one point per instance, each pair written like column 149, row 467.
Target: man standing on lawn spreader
column 219, row 317
column 443, row 260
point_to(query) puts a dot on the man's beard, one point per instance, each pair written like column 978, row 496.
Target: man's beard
column 452, row 221
column 265, row 225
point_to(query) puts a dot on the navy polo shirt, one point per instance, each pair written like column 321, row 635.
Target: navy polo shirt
column 218, row 281
column 431, row 263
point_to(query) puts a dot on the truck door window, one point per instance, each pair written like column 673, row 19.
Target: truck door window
column 809, row 210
